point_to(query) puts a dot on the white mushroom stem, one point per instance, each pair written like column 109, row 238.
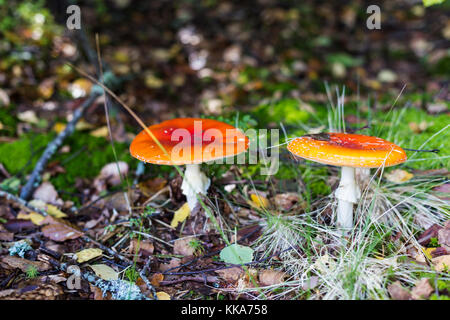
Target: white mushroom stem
column 347, row 194
column 194, row 182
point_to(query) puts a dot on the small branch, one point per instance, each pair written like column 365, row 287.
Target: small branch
column 53, row 146
column 87, row 239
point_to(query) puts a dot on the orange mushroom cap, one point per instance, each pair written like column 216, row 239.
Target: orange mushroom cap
column 347, row 150
column 188, row 141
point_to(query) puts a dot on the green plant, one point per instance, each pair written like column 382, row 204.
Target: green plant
column 31, row 272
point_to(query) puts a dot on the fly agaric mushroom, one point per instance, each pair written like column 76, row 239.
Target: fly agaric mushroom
column 190, row 142
column 348, row 151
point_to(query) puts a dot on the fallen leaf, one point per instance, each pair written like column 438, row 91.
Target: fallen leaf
column 156, row 279
column 182, row 247
column 441, row 263
column 230, row 274
column 17, row 225
column 49, row 208
column 105, row 272
column 258, row 201
column 88, row 254
column 59, row 230
column 180, row 215
column 271, row 277
column 13, row 262
column 236, row 254
column 45, row 291
column 162, row 295
column 172, row 265
column 112, row 171
column 35, row 217
column 46, row 192
column 422, row 289
column 58, row 127
column 397, row 291
column 286, row 201
column 101, row 132
column 444, row 238
column 146, row 247
column 46, row 88
column 399, row 176
column 28, row 116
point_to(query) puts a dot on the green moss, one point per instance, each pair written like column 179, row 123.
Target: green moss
column 286, row 111
column 87, row 157
column 16, row 155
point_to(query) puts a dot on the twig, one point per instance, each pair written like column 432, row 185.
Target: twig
column 87, row 239
column 53, row 146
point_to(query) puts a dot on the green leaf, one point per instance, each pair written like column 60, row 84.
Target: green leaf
column 428, row 3
column 236, row 254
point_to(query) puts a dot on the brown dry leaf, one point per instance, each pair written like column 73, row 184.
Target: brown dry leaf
column 422, row 289
column 444, row 238
column 152, row 186
column 46, row 192
column 46, row 291
column 59, row 230
column 399, row 176
column 98, row 294
column 13, row 262
column 441, row 263
column 182, row 247
column 230, row 274
column 146, row 247
column 112, row 171
column 286, row 201
column 397, row 291
column 156, row 279
column 174, row 263
column 271, row 277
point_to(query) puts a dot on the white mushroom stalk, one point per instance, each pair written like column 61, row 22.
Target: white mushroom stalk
column 347, row 194
column 194, row 182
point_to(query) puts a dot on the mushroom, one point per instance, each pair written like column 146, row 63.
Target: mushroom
column 348, row 151
column 190, row 142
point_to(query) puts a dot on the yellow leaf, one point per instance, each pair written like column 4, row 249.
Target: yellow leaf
column 259, row 201
column 100, row 132
column 49, row 208
column 428, row 251
column 162, row 295
column 35, row 217
column 55, row 212
column 105, row 272
column 180, row 215
column 88, row 254
column 59, row 126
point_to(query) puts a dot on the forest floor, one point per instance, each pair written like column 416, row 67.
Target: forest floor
column 297, row 68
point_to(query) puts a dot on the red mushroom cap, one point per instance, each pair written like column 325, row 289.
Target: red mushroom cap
column 347, row 150
column 188, row 141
